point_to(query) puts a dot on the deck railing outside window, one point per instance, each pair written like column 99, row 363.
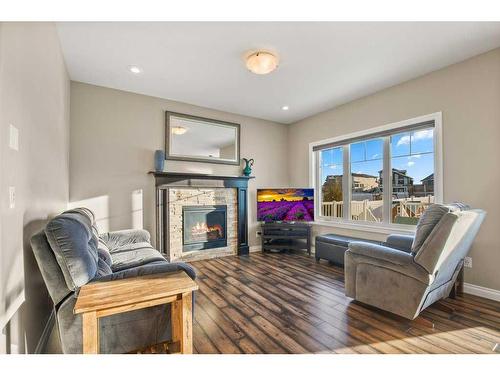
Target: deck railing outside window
column 412, row 208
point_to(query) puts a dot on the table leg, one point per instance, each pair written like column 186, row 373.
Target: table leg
column 182, row 322
column 90, row 330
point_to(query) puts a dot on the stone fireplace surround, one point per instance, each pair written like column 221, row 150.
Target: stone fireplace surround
column 180, row 197
column 173, row 190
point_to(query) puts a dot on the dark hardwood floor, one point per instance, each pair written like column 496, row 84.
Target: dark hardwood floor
column 287, row 303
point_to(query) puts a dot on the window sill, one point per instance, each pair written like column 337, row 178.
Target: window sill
column 372, row 228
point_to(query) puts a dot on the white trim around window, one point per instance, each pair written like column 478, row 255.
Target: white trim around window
column 378, row 227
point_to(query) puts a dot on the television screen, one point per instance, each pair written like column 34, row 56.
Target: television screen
column 285, row 205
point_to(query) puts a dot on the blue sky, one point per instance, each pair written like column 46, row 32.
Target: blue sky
column 410, row 151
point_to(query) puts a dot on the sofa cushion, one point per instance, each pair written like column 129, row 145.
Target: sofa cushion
column 133, row 255
column 434, row 247
column 402, row 242
column 103, row 268
column 104, row 253
column 150, row 269
column 73, row 239
column 119, row 238
column 429, row 219
column 49, row 268
column 384, row 253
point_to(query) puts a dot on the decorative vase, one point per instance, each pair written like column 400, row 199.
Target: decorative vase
column 159, row 160
column 248, row 166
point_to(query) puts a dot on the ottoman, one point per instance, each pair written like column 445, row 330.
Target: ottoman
column 333, row 246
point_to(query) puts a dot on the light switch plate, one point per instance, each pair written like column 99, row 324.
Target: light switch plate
column 12, row 197
column 468, row 262
column 13, row 137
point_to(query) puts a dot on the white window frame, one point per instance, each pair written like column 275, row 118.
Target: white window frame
column 382, row 227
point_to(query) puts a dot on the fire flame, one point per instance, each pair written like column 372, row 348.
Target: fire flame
column 203, row 228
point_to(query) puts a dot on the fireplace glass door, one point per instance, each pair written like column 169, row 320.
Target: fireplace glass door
column 204, row 227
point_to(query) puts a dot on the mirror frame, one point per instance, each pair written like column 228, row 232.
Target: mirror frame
column 168, row 138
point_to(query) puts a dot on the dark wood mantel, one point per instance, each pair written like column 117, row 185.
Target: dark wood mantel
column 178, row 179
column 166, row 180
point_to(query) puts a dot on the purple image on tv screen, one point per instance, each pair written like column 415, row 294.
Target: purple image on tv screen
column 285, row 205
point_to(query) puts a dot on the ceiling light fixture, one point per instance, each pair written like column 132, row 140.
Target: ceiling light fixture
column 262, row 62
column 134, row 69
column 178, row 130
column 285, row 108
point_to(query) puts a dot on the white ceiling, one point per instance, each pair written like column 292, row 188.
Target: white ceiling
column 323, row 64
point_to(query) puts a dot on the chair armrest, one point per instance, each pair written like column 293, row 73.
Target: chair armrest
column 124, row 237
column 149, row 269
column 400, row 242
column 380, row 252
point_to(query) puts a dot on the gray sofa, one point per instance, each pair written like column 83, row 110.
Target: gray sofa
column 70, row 253
column 411, row 273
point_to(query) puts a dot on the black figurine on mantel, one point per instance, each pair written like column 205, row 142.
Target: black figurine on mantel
column 248, row 166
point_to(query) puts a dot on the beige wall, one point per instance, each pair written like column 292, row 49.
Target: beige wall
column 114, row 135
column 34, row 97
column 468, row 94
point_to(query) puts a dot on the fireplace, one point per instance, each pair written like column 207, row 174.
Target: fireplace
column 204, row 227
column 174, row 190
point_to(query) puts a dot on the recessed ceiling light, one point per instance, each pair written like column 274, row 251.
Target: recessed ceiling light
column 134, row 69
column 285, row 108
column 262, row 62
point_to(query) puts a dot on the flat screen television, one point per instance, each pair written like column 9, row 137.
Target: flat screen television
column 288, row 205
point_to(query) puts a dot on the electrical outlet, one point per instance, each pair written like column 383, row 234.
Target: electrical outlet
column 468, row 262
column 258, row 234
column 12, row 197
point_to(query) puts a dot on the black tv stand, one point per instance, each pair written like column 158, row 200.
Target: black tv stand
column 286, row 236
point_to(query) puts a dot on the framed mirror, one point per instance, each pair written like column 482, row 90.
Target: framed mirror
column 192, row 138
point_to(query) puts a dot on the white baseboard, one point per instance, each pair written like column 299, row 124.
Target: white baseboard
column 481, row 291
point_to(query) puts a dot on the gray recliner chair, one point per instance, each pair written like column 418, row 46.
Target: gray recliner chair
column 410, row 273
column 70, row 253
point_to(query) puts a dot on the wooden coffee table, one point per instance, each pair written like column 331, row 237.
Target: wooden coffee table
column 100, row 299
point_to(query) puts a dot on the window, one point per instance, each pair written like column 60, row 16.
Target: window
column 412, row 162
column 366, row 193
column 332, row 172
column 385, row 176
